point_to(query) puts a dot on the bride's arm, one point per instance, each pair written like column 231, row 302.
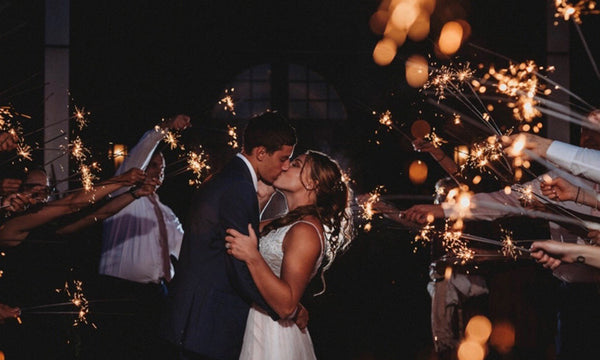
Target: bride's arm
column 301, row 249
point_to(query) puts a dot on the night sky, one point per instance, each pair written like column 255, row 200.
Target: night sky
column 135, row 62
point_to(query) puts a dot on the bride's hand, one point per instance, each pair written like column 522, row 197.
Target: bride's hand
column 242, row 247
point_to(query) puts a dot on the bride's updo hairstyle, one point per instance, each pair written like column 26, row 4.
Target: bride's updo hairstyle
column 332, row 206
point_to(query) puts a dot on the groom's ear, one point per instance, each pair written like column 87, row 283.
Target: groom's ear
column 260, row 152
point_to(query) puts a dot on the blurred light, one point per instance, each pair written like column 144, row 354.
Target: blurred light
column 470, row 350
column 450, row 38
column 420, row 28
column 461, row 154
column 417, row 172
column 384, row 52
column 417, row 71
column 117, row 152
column 448, row 273
column 404, row 15
column 420, row 128
column 427, row 6
column 478, row 329
column 378, row 21
column 395, row 34
column 503, row 337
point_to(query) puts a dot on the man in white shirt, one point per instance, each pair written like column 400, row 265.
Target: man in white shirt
column 137, row 245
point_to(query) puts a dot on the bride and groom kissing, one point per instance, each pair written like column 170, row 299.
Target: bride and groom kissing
column 233, row 298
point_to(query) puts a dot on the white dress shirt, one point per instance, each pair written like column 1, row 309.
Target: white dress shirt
column 577, row 160
column 566, row 272
column 131, row 247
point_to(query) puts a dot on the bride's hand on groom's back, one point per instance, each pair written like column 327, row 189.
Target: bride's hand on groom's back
column 242, row 247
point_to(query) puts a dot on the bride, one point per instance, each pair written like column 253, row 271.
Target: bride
column 318, row 225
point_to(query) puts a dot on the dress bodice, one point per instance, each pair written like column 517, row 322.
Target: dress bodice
column 271, row 248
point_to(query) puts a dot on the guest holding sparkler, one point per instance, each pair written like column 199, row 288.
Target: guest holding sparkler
column 138, row 243
column 8, row 312
column 36, row 191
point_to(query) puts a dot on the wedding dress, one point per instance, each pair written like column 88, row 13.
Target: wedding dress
column 276, row 340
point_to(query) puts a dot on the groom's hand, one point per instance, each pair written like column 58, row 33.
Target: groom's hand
column 301, row 318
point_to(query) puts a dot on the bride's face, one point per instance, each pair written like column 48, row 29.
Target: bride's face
column 292, row 179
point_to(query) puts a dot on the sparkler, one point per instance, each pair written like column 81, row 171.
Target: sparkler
column 80, row 117
column 227, row 101
column 231, row 131
column 197, row 164
column 568, row 11
column 508, row 247
column 79, row 300
column 434, row 139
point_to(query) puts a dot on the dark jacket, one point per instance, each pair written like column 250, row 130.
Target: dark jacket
column 212, row 291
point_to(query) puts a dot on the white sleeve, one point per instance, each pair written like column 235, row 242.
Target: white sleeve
column 575, row 159
column 479, row 211
column 140, row 155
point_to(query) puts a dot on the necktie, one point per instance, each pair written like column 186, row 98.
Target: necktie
column 162, row 239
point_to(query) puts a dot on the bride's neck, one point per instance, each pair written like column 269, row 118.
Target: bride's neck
column 294, row 201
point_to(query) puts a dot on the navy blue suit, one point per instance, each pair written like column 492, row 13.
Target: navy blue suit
column 212, row 291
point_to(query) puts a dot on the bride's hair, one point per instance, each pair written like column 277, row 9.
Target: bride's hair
column 332, row 206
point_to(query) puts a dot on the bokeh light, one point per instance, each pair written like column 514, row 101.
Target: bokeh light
column 470, row 350
column 384, row 52
column 478, row 329
column 420, row 128
column 450, row 38
column 417, row 172
column 417, row 71
column 503, row 337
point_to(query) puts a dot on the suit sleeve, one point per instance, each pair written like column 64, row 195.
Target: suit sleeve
column 239, row 205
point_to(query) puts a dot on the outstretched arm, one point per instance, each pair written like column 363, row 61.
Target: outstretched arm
column 438, row 155
column 301, row 249
column 112, row 207
column 16, row 229
column 552, row 253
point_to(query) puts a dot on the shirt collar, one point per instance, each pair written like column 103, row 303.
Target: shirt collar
column 252, row 172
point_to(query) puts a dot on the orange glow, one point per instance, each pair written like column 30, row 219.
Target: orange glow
column 384, row 52
column 417, row 172
column 420, row 128
column 417, row 71
column 395, row 34
column 378, row 21
column 420, row 28
column 404, row 15
column 450, row 38
column 470, row 350
column 478, row 329
column 503, row 337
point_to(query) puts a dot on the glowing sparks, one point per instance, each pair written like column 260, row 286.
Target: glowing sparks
column 227, row 101
column 567, row 11
column 368, row 206
column 434, row 139
column 231, row 131
column 385, row 119
column 79, row 115
column 78, row 150
column 79, row 300
column 198, row 165
column 24, row 151
column 452, row 242
column 425, row 235
column 508, row 246
column 526, row 195
column 448, row 78
column 87, row 175
column 171, row 138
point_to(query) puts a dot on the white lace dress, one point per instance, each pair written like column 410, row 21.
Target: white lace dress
column 264, row 338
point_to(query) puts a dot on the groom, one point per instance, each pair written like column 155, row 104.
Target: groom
column 212, row 291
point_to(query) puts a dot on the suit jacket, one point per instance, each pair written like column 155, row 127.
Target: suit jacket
column 212, row 291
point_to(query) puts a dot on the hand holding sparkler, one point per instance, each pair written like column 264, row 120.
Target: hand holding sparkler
column 516, row 144
column 423, row 213
column 16, row 202
column 552, row 253
column 8, row 141
column 131, row 177
column 7, row 312
column 559, row 189
column 177, row 123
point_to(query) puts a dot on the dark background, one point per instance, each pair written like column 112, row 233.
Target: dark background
column 135, row 62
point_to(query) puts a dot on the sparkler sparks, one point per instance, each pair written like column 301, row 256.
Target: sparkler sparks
column 79, row 300
column 448, row 78
column 568, row 11
column 385, row 119
column 171, row 138
column 24, row 151
column 434, row 139
column 80, row 117
column 508, row 247
column 231, row 131
column 227, row 101
column 197, row 164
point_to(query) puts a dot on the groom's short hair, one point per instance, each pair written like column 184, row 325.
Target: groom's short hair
column 269, row 129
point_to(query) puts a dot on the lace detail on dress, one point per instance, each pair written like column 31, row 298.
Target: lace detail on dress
column 271, row 247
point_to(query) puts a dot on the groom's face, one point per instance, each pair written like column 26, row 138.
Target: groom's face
column 273, row 164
